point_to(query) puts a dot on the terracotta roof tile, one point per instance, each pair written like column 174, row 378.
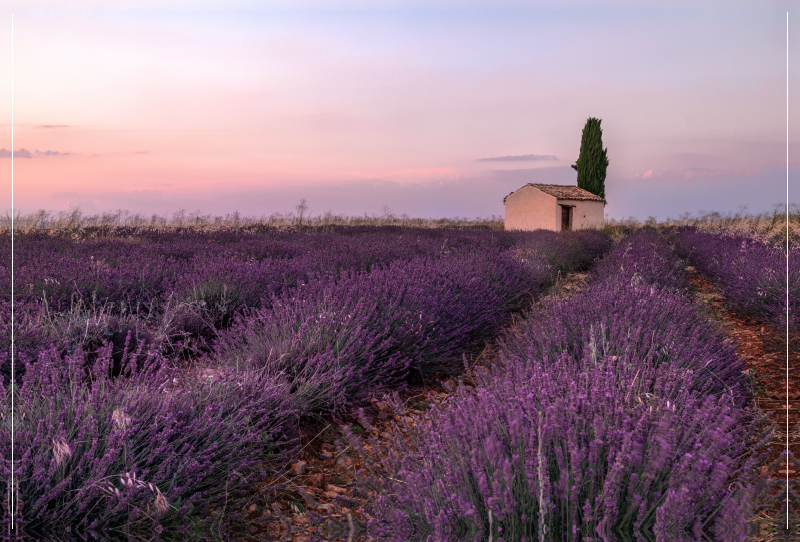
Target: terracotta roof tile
column 562, row 191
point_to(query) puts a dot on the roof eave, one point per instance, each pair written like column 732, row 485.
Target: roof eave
column 581, row 199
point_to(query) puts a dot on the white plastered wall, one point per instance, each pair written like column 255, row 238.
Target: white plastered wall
column 585, row 214
column 531, row 209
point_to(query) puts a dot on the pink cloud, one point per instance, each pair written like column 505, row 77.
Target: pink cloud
column 686, row 174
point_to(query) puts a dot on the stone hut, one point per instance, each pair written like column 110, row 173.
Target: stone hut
column 553, row 207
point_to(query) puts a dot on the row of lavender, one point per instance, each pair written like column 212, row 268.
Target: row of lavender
column 134, row 275
column 751, row 275
column 617, row 414
column 324, row 341
column 178, row 290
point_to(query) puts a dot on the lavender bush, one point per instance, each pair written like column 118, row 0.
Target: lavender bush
column 638, row 324
column 345, row 337
column 122, row 276
column 134, row 275
column 37, row 330
column 30, row 336
column 135, row 455
column 566, row 251
column 223, row 288
column 183, row 287
column 644, row 254
column 750, row 274
column 570, row 450
column 588, row 247
column 636, row 309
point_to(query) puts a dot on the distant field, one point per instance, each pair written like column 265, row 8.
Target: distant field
column 769, row 226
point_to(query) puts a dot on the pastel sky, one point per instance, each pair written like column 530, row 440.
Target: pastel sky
column 436, row 108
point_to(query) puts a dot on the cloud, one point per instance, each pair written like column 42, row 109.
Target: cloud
column 519, row 158
column 686, row 174
column 21, row 153
column 51, row 153
column 55, row 126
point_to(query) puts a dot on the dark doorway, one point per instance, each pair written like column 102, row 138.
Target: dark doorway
column 566, row 215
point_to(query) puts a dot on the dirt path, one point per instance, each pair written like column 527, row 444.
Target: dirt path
column 322, row 478
column 764, row 348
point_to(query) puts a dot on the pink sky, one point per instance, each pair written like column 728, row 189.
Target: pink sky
column 229, row 106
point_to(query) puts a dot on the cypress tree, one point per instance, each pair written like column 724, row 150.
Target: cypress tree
column 593, row 159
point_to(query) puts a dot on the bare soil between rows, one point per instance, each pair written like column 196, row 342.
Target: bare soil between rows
column 764, row 349
column 777, row 394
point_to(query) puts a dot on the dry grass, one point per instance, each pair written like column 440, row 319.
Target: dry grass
column 768, row 226
column 75, row 224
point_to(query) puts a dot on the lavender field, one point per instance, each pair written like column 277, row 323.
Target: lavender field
column 620, row 413
column 159, row 376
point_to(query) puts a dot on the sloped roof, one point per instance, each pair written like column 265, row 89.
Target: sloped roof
column 562, row 191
